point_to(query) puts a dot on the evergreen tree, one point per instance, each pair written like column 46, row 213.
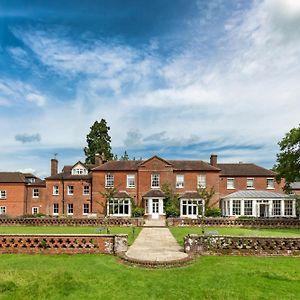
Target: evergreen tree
column 98, row 141
column 124, row 156
column 288, row 159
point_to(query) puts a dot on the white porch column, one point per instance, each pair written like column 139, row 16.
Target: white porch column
column 230, row 207
column 203, row 208
column 270, row 208
column 242, row 207
column 107, row 208
column 180, row 207
column 281, row 207
column 149, row 206
column 161, row 206
column 255, row 208
column 294, row 207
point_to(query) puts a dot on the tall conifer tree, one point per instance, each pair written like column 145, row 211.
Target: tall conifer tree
column 98, row 141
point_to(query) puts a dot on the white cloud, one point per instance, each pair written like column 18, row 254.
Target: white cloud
column 14, row 92
column 247, row 94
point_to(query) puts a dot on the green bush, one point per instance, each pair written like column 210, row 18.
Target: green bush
column 138, row 212
column 172, row 211
column 213, row 212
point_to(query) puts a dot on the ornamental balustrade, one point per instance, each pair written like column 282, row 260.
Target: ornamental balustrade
column 229, row 222
column 102, row 222
column 63, row 244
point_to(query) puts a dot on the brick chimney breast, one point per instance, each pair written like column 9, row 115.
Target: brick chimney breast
column 54, row 166
column 214, row 160
column 98, row 159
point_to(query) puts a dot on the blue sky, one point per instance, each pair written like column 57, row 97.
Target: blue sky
column 180, row 79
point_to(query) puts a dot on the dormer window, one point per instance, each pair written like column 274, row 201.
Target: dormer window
column 31, row 179
column 79, row 171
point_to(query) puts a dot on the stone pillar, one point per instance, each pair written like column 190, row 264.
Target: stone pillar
column 120, row 243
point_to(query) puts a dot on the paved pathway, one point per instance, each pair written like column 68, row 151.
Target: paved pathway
column 155, row 244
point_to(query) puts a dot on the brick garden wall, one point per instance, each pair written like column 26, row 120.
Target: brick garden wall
column 63, row 244
column 236, row 245
column 227, row 222
column 102, row 222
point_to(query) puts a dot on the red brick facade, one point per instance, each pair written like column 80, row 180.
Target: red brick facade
column 78, row 190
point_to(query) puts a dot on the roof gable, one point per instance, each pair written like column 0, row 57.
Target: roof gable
column 155, row 158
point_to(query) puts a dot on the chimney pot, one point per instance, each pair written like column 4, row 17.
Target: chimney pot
column 214, row 160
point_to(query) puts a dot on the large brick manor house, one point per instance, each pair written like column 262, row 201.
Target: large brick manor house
column 80, row 190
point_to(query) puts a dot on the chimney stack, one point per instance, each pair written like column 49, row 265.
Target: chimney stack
column 214, row 160
column 100, row 159
column 54, row 166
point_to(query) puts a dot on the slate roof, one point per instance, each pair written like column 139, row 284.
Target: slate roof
column 66, row 173
column 18, row 177
column 295, row 185
column 256, row 194
column 132, row 165
column 242, row 169
column 154, row 193
column 12, row 177
column 69, row 176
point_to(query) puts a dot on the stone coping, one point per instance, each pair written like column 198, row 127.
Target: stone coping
column 64, row 235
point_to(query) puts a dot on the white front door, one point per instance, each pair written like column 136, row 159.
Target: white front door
column 155, row 209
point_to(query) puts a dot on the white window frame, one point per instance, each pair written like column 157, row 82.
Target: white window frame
column 35, row 193
column 55, row 190
column 70, row 207
column 155, row 180
column 86, row 190
column 191, row 208
column 179, row 181
column 79, row 171
column 236, row 207
column 2, row 210
column 276, row 208
column 85, row 208
column 3, row 194
column 288, row 205
column 250, row 186
column 272, row 187
column 70, row 190
column 109, row 180
column 130, row 181
column 230, row 187
column 116, row 207
column 248, row 207
column 55, row 207
column 33, row 209
column 201, row 181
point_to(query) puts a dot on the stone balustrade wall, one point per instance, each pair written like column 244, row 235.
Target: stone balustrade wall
column 237, row 245
column 229, row 222
column 63, row 243
column 101, row 222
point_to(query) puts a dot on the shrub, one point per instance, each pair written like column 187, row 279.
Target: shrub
column 172, row 211
column 138, row 212
column 213, row 212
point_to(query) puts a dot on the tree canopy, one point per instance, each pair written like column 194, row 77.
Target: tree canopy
column 288, row 159
column 98, row 141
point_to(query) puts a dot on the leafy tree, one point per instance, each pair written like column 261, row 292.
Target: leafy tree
column 171, row 202
column 288, row 159
column 98, row 141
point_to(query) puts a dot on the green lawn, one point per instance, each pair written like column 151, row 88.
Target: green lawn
column 102, row 277
column 180, row 232
column 71, row 230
